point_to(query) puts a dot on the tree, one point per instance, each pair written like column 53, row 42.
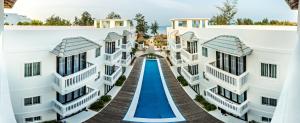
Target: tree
column 141, row 26
column 154, row 27
column 244, row 21
column 113, row 15
column 57, row 21
column 85, row 19
column 227, row 13
column 36, row 22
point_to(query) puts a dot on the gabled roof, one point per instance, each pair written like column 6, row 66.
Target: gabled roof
column 74, row 45
column 9, row 3
column 126, row 33
column 293, row 3
column 189, row 36
column 112, row 36
column 228, row 44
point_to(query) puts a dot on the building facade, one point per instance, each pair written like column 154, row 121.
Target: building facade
column 57, row 72
column 240, row 69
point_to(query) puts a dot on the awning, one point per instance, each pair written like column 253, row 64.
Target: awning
column 73, row 46
column 189, row 36
column 228, row 44
column 113, row 36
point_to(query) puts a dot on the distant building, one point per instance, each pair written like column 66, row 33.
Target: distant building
column 14, row 19
column 112, row 23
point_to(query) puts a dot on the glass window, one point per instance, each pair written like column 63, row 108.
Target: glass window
column 269, row 101
column 182, row 23
column 98, row 52
column 204, row 52
column 30, row 119
column 266, row 119
column 269, row 70
column 32, row 69
column 27, row 101
column 36, row 100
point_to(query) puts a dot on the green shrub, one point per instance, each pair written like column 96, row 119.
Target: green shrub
column 121, row 80
column 207, row 105
column 105, row 98
column 182, row 81
column 96, row 106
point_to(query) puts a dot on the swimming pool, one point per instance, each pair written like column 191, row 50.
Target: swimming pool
column 152, row 101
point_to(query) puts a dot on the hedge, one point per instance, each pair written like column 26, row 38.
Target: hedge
column 120, row 81
column 99, row 104
column 182, row 81
column 106, row 98
column 207, row 105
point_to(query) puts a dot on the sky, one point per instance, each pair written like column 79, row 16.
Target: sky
column 154, row 10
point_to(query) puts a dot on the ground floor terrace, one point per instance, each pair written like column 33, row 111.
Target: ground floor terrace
column 116, row 110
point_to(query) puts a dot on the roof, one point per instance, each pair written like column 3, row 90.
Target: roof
column 228, row 44
column 189, row 36
column 112, row 36
column 74, row 45
column 293, row 4
column 126, row 33
column 9, row 3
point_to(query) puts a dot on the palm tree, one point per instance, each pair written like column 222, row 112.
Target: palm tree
column 154, row 27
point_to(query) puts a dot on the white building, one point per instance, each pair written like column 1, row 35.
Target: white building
column 112, row 23
column 56, row 72
column 240, row 69
column 14, row 18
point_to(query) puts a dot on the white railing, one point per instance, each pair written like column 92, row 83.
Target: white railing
column 176, row 61
column 77, row 104
column 65, row 84
column 189, row 56
column 230, row 81
column 125, row 46
column 111, row 79
column 174, row 45
column 114, row 56
column 126, row 61
column 232, row 107
column 191, row 79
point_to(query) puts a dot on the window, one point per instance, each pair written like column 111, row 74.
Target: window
column 32, row 101
column 268, row 101
column 33, row 119
column 182, row 23
column 32, row 69
column 269, row 70
column 98, row 52
column 204, row 52
column 266, row 119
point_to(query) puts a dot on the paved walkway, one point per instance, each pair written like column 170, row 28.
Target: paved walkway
column 187, row 107
column 116, row 110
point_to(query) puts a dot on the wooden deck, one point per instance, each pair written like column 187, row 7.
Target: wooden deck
column 186, row 106
column 115, row 111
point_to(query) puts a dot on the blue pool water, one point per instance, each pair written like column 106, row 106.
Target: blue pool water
column 153, row 102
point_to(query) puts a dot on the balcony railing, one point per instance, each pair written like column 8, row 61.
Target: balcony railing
column 111, row 79
column 112, row 58
column 66, row 84
column 175, row 45
column 125, row 46
column 76, row 105
column 232, row 107
column 190, row 57
column 191, row 79
column 126, row 61
column 176, row 61
column 237, row 84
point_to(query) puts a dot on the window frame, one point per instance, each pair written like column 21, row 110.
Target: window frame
column 269, row 70
column 97, row 52
column 32, row 100
column 31, row 69
column 204, row 52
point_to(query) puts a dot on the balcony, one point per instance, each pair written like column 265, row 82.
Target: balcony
column 75, row 105
column 126, row 61
column 176, row 61
column 189, row 57
column 114, row 57
column 234, row 83
column 232, row 107
column 66, row 84
column 191, row 79
column 174, row 45
column 126, row 46
column 111, row 79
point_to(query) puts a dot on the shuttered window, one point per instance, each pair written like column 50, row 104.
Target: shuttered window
column 269, row 70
